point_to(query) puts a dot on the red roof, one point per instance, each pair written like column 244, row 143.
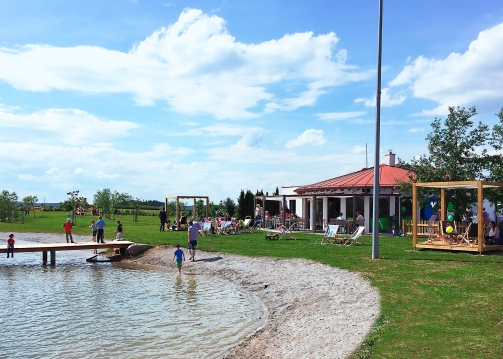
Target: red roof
column 388, row 175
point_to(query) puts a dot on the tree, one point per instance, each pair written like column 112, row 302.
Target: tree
column 200, row 209
column 102, row 201
column 230, row 206
column 457, row 152
column 118, row 200
column 8, row 210
column 30, row 201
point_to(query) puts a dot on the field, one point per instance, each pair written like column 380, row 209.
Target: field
column 435, row 304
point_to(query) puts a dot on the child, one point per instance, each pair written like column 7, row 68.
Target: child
column 119, row 232
column 94, row 227
column 179, row 255
column 68, row 230
column 10, row 245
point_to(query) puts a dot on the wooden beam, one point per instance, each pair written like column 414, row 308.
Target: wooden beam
column 414, row 215
column 442, row 204
column 480, row 202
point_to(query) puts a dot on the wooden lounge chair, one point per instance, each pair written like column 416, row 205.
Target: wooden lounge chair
column 434, row 232
column 355, row 236
column 282, row 233
column 465, row 237
column 331, row 235
column 206, row 230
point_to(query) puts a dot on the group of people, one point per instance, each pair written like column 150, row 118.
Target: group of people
column 98, row 230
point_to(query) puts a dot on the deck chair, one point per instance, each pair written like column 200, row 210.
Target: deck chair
column 246, row 227
column 355, row 236
column 206, row 230
column 331, row 234
column 465, row 237
column 283, row 233
column 434, row 232
column 224, row 228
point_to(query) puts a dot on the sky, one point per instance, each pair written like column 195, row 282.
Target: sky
column 157, row 98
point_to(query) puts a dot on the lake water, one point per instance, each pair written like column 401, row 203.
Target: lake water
column 102, row 310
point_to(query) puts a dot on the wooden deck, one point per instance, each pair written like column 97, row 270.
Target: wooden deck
column 457, row 247
column 52, row 248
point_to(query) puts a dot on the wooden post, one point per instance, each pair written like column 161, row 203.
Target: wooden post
column 194, row 212
column 44, row 257
column 53, row 257
column 442, row 204
column 177, row 213
column 207, row 207
column 480, row 202
column 414, row 215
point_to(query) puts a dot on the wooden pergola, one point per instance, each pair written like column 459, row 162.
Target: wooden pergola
column 195, row 198
column 479, row 186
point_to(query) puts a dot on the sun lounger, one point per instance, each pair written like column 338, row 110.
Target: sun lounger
column 355, row 236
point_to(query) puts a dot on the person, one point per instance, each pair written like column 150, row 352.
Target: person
column 360, row 221
column 258, row 216
column 68, row 230
column 162, row 216
column 95, row 231
column 101, row 230
column 493, row 236
column 281, row 230
column 167, row 225
column 179, row 255
column 499, row 240
column 119, row 232
column 192, row 236
column 485, row 216
column 10, row 245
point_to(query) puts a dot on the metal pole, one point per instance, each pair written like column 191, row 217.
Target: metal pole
column 375, row 230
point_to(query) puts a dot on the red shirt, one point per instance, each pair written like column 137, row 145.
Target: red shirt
column 10, row 242
column 68, row 226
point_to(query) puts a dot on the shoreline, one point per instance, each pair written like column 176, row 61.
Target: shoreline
column 315, row 311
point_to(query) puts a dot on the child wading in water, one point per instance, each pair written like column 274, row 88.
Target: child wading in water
column 179, row 255
column 10, row 245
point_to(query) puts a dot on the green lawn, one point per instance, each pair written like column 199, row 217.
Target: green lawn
column 435, row 304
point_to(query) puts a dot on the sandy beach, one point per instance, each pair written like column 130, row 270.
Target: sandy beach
column 315, row 311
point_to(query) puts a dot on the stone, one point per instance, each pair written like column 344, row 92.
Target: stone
column 137, row 248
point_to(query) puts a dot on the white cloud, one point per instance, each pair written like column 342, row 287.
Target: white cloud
column 416, row 129
column 387, row 100
column 340, row 116
column 470, row 78
column 71, row 125
column 194, row 65
column 308, row 137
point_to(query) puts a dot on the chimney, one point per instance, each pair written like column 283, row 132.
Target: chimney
column 391, row 158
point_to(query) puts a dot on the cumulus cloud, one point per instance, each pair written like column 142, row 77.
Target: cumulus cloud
column 340, row 116
column 308, row 137
column 387, row 100
column 194, row 65
column 473, row 77
column 71, row 125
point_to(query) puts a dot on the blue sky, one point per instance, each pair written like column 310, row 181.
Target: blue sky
column 158, row 98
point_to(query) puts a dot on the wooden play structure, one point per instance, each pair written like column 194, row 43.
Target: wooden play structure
column 458, row 241
column 183, row 226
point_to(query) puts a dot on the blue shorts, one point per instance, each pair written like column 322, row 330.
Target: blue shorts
column 192, row 245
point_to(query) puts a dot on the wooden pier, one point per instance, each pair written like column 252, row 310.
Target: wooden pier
column 52, row 248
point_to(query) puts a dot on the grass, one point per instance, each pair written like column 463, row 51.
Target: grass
column 435, row 304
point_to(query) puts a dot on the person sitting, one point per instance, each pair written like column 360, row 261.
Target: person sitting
column 281, row 231
column 493, row 236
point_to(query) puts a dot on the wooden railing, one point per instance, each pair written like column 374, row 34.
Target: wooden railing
column 422, row 227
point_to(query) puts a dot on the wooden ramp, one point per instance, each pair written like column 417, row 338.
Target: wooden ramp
column 54, row 247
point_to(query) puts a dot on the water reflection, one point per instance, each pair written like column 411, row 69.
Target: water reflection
column 77, row 309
